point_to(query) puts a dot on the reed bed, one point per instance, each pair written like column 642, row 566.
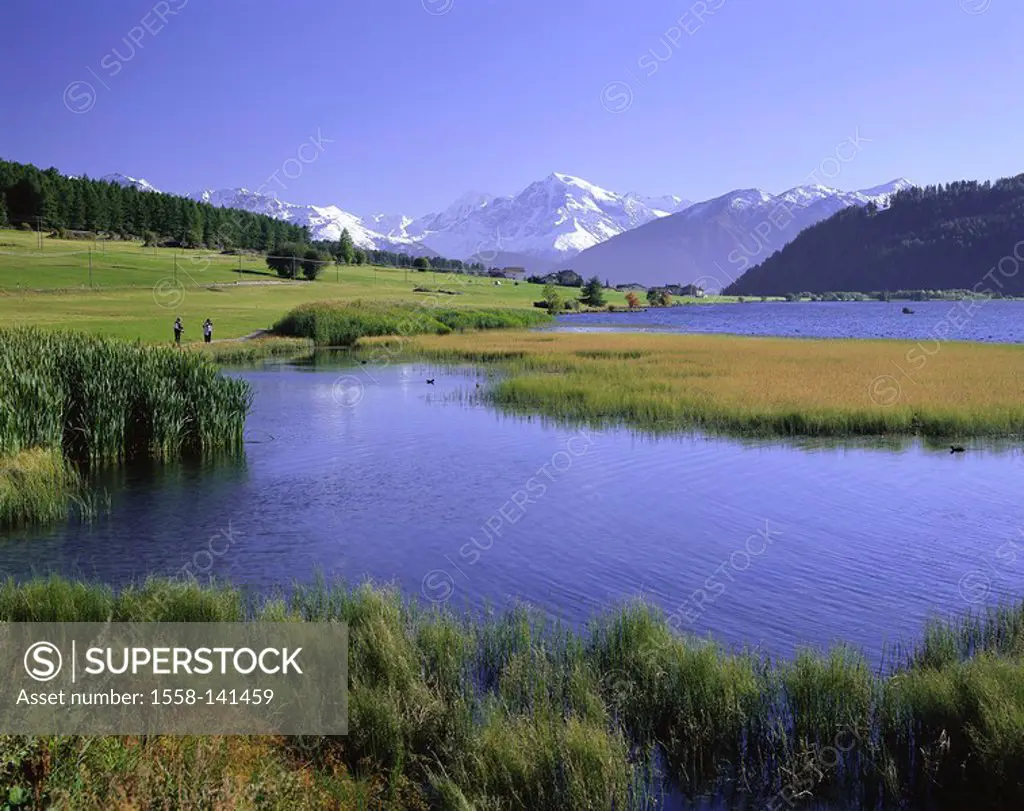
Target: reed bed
column 253, row 350
column 753, row 386
column 342, row 324
column 512, row 710
column 67, row 399
column 36, row 485
column 102, row 399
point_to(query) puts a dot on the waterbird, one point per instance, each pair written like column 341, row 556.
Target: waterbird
column 430, row 381
column 907, row 311
column 956, row 448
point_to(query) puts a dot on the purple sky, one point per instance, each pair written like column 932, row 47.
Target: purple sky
column 418, row 101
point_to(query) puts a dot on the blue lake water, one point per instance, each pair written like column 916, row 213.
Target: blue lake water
column 360, row 472
column 992, row 321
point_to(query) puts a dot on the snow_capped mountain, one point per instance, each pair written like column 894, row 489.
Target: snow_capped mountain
column 712, row 243
column 543, row 226
column 324, row 222
column 547, row 223
column 125, row 180
column 565, row 221
column 664, row 205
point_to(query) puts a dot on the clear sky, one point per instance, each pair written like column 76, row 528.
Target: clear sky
column 419, row 101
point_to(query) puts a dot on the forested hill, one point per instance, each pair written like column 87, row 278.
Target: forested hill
column 50, row 200
column 931, row 238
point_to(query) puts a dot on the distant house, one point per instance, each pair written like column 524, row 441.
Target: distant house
column 565, row 278
column 683, row 290
column 507, row 273
column 632, row 287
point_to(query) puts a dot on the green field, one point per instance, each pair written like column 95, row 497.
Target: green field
column 137, row 292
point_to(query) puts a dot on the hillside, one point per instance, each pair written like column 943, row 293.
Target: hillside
column 933, row 238
column 711, row 243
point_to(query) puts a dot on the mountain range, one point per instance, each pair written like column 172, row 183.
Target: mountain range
column 565, row 221
column 711, row 244
column 958, row 236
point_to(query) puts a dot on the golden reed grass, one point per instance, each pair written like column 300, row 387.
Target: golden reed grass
column 752, row 385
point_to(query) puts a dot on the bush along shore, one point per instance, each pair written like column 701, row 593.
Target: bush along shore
column 512, row 711
column 342, row 324
column 67, row 399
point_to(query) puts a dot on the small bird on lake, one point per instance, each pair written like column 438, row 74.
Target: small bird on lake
column 430, row 381
column 956, row 449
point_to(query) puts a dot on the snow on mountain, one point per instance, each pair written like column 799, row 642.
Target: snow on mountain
column 124, row 180
column 881, row 195
column 550, row 221
column 712, row 243
column 390, row 225
column 324, row 222
column 547, row 223
column 666, row 204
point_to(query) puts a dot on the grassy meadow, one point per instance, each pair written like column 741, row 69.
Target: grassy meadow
column 505, row 711
column 757, row 386
column 137, row 293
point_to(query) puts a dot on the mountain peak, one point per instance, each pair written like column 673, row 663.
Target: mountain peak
column 139, row 183
column 899, row 184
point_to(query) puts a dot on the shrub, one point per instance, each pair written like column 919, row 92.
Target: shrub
column 313, row 262
column 343, row 324
column 285, row 259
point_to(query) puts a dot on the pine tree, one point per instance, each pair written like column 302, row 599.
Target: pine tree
column 593, row 293
column 346, row 248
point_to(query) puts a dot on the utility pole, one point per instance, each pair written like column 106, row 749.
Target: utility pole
column 90, row 268
column 239, row 264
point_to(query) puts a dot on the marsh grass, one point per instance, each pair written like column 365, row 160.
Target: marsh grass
column 67, row 398
column 253, row 350
column 747, row 386
column 342, row 324
column 36, row 485
column 512, row 710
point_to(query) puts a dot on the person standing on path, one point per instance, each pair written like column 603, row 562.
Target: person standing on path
column 178, row 329
column 207, row 330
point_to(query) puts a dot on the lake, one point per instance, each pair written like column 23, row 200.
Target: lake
column 991, row 321
column 362, row 472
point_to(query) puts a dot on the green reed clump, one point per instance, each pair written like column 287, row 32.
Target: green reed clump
column 512, row 710
column 342, row 324
column 104, row 399
column 36, row 485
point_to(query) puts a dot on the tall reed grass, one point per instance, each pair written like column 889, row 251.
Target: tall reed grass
column 104, row 399
column 36, row 485
column 751, row 386
column 342, row 324
column 67, row 398
column 514, row 711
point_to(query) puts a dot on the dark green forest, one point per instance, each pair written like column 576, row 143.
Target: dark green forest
column 965, row 235
column 46, row 199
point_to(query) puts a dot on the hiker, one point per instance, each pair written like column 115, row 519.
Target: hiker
column 207, row 330
column 178, row 329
